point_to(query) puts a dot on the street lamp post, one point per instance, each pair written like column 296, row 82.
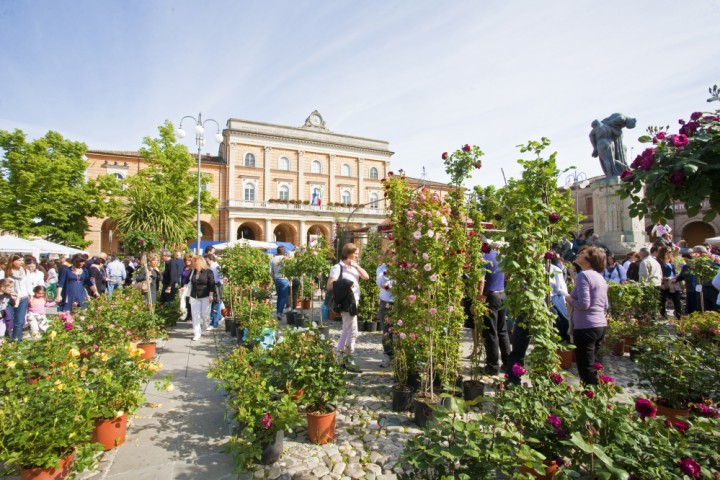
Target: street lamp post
column 577, row 180
column 200, row 142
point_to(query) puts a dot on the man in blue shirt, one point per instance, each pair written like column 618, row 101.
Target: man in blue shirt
column 497, row 341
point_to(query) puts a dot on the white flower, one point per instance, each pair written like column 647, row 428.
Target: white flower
column 417, row 234
column 322, row 336
column 430, row 233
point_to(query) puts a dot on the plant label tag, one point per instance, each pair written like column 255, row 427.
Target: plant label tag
column 698, row 288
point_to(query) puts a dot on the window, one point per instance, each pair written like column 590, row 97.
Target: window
column 119, row 176
column 345, row 170
column 283, row 163
column 284, row 192
column 373, row 173
column 589, row 205
column 374, row 199
column 315, row 167
column 249, row 192
column 346, row 198
column 249, row 160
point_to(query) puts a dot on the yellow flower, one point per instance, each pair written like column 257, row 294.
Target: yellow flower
column 74, row 352
column 11, row 364
column 53, row 334
column 170, row 388
column 104, row 357
column 119, row 414
column 59, row 385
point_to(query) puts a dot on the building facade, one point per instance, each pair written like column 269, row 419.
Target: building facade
column 273, row 183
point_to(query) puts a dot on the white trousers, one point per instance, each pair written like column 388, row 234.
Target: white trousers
column 349, row 333
column 200, row 308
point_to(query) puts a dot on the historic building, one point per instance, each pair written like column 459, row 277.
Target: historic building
column 692, row 229
column 274, row 183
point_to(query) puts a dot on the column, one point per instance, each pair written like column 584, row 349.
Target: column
column 266, row 180
column 331, row 182
column 232, row 234
column 231, row 173
column 302, row 241
column 300, row 194
column 269, row 237
column 360, row 199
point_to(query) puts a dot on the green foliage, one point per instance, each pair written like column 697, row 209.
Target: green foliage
column 255, row 404
column 528, row 205
column 703, row 268
column 489, row 201
column 254, row 316
column 137, row 242
column 676, row 371
column 245, row 267
column 161, row 199
column 40, row 179
column 701, row 329
column 680, row 167
column 369, row 290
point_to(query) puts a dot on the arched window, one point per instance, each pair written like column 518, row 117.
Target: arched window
column 374, row 199
column 346, row 197
column 316, row 167
column 373, row 173
column 249, row 192
column 283, row 163
column 345, row 170
column 249, row 160
column 284, row 192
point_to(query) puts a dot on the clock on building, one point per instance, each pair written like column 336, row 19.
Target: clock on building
column 315, row 120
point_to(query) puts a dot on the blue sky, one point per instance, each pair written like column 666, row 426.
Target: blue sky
column 427, row 76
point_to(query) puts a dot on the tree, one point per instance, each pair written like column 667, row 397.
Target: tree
column 43, row 190
column 161, row 199
column 488, row 201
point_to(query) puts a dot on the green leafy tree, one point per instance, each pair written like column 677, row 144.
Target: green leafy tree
column 488, row 200
column 369, row 290
column 161, row 199
column 535, row 213
column 43, row 190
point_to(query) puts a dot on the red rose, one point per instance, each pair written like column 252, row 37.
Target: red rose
column 467, row 148
column 677, row 178
column 485, row 247
column 140, row 242
column 554, row 217
column 627, row 176
column 390, row 174
column 498, row 217
column 445, row 156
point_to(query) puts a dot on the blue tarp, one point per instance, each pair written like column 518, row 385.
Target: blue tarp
column 204, row 244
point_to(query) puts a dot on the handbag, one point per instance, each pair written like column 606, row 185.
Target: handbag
column 143, row 285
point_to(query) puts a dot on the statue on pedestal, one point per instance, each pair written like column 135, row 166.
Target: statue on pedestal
column 606, row 139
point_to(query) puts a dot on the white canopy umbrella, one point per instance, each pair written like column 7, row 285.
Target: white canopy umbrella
column 12, row 244
column 246, row 243
column 713, row 240
column 47, row 246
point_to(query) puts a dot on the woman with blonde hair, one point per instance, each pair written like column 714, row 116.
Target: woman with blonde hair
column 202, row 292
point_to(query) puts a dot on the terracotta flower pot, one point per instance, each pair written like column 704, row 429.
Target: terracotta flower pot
column 619, row 348
column 321, row 427
column 110, row 433
column 306, row 304
column 57, row 473
column 566, row 359
column 672, row 414
column 550, row 471
column 149, row 349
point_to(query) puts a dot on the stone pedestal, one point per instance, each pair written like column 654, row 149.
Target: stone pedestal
column 611, row 218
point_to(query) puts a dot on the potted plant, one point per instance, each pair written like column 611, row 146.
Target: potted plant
column 473, row 388
column 262, row 413
column 257, row 319
column 315, row 370
column 701, row 329
column 45, row 425
column 677, row 372
column 402, row 394
column 139, row 320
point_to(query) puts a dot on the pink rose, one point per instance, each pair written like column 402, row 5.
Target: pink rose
column 679, row 141
column 433, row 311
column 427, row 267
column 267, row 421
column 433, row 277
column 554, row 217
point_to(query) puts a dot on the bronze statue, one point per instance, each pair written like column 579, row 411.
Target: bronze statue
column 606, row 139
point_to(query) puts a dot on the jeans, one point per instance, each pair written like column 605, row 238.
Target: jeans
column 18, row 312
column 113, row 283
column 497, row 341
column 587, row 344
column 282, row 288
column 216, row 311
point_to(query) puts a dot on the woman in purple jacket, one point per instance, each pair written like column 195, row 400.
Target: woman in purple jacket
column 590, row 303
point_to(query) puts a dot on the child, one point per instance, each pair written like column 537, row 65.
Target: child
column 36, row 311
column 6, row 300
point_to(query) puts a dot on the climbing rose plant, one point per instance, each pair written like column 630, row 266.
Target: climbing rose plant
column 680, row 166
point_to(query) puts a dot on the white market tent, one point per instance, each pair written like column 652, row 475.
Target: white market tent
column 713, row 240
column 12, row 244
column 246, row 243
column 56, row 248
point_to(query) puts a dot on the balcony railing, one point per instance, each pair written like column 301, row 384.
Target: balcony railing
column 300, row 206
